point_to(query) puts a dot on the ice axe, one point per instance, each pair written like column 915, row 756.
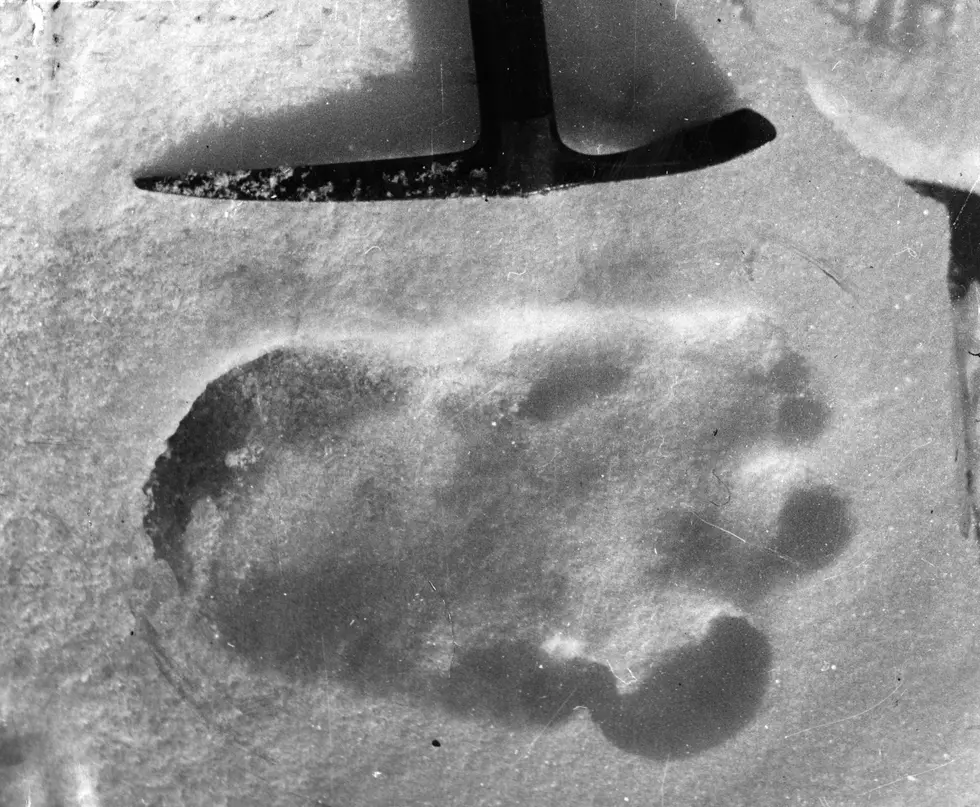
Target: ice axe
column 518, row 151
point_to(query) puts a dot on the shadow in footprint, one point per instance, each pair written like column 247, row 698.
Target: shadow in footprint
column 518, row 683
column 361, row 607
column 802, row 416
column 698, row 697
column 286, row 396
column 572, row 382
column 813, row 528
column 350, row 620
column 779, row 402
column 695, row 550
column 367, row 623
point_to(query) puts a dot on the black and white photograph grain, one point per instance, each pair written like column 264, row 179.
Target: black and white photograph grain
column 490, row 403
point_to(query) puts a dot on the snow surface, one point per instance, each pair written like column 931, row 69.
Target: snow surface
column 633, row 438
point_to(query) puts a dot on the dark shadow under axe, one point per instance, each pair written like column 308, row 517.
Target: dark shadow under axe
column 518, row 151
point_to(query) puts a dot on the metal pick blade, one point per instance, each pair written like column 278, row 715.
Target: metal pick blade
column 519, row 151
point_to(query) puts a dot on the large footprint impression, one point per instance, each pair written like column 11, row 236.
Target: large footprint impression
column 508, row 520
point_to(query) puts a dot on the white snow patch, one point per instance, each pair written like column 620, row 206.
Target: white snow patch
column 563, row 647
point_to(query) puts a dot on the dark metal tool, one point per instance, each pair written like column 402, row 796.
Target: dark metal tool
column 963, row 285
column 518, row 152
